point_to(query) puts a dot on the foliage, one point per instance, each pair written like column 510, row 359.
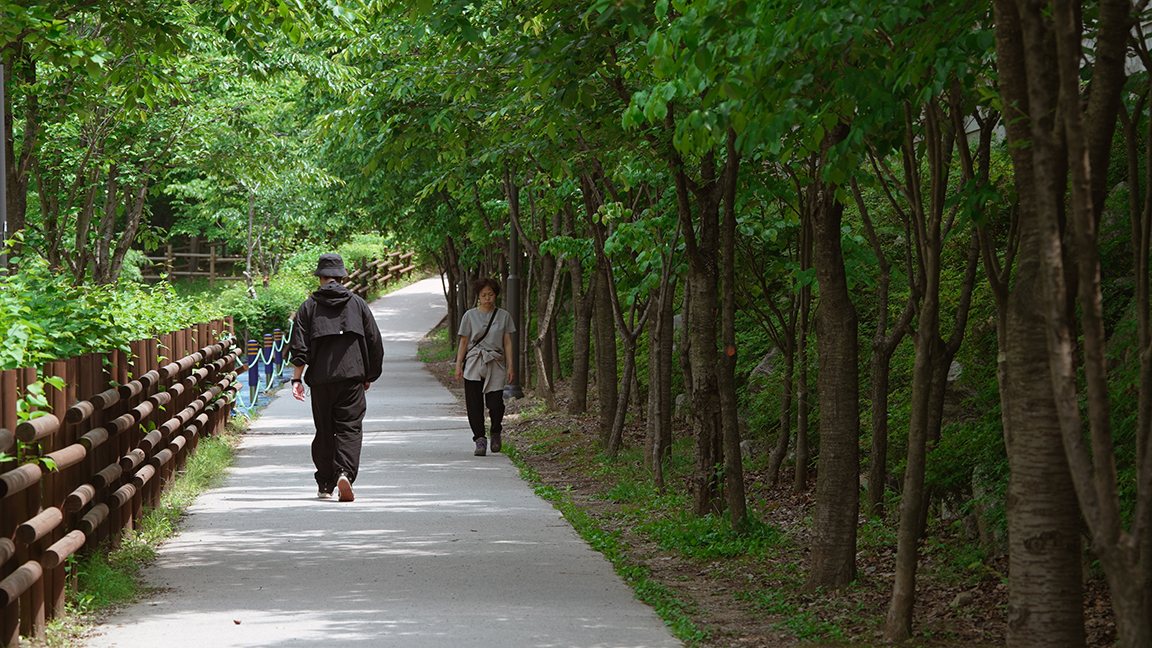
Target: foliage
column 148, row 311
column 108, row 96
column 44, row 317
column 269, row 310
column 710, row 537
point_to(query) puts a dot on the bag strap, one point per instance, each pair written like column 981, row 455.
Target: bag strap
column 477, row 340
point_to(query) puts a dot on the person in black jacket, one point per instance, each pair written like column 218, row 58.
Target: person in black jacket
column 336, row 337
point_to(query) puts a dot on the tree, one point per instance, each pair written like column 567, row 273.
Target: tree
column 110, row 76
column 1044, row 546
column 1069, row 269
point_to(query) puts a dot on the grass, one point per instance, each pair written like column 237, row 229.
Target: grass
column 109, row 577
column 442, row 351
column 708, row 542
column 711, row 537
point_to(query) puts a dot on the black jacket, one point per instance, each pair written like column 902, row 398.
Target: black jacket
column 336, row 335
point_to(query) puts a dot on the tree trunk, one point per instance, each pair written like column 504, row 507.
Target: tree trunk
column 928, row 226
column 1045, row 606
column 1044, row 594
column 248, row 256
column 884, row 344
column 803, row 455
column 787, row 388
column 18, row 168
column 616, row 436
column 654, row 416
column 898, row 625
column 134, row 217
column 540, row 344
column 704, row 392
column 726, row 374
column 102, row 264
column 582, row 304
column 837, row 479
column 1071, row 276
column 658, row 443
column 1140, row 218
column 604, row 330
column 582, row 310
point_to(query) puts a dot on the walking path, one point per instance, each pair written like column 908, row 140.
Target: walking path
column 440, row 548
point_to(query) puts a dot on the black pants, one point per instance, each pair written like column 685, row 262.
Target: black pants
column 338, row 411
column 475, row 399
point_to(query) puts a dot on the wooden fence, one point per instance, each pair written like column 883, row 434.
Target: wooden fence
column 181, row 262
column 118, row 431
column 366, row 276
column 184, row 262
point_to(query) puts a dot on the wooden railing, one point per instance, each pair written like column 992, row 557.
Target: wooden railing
column 117, row 432
column 181, row 262
column 367, row 276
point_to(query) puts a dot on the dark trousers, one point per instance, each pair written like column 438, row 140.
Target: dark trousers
column 475, row 399
column 338, row 411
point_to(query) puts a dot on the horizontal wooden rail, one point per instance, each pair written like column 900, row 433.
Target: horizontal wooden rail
column 107, row 445
column 366, row 276
column 198, row 255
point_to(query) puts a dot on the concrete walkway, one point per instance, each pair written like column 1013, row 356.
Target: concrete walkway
column 440, row 548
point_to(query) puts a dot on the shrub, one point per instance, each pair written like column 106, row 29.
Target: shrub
column 43, row 317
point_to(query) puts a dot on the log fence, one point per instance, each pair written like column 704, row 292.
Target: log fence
column 111, row 441
column 182, row 262
column 369, row 275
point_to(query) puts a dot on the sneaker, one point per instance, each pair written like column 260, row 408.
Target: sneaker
column 496, row 442
column 344, row 485
column 324, row 494
column 481, row 447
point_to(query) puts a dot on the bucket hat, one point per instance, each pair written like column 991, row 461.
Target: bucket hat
column 330, row 265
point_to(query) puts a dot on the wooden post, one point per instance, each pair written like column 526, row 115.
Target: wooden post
column 212, row 266
column 55, row 483
column 29, row 501
column 10, row 516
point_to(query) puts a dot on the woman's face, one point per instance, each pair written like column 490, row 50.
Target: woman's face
column 487, row 296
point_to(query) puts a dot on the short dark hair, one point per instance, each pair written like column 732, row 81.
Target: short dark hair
column 486, row 282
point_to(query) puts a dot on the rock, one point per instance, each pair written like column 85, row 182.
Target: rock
column 748, row 449
column 683, row 410
column 963, row 599
column 955, row 370
column 759, row 377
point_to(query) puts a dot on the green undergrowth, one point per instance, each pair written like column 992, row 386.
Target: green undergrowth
column 109, row 577
column 768, row 558
column 443, row 351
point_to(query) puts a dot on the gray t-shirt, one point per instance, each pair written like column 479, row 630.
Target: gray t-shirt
column 474, row 322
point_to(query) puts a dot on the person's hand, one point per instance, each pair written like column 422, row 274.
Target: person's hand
column 298, row 391
column 459, row 374
column 366, row 386
column 511, row 375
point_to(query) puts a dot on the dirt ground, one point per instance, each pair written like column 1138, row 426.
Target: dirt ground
column 952, row 612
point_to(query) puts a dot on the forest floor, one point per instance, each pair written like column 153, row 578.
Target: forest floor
column 755, row 599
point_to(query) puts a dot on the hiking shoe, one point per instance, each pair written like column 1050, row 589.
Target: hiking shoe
column 481, row 447
column 344, row 485
column 496, row 442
